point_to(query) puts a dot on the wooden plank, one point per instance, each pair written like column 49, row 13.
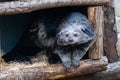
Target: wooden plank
column 24, row 6
column 95, row 15
column 53, row 71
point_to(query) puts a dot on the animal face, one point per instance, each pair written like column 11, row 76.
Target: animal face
column 72, row 36
column 76, row 29
column 67, row 38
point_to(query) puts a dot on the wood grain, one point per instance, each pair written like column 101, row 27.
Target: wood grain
column 95, row 15
column 25, row 6
column 54, row 71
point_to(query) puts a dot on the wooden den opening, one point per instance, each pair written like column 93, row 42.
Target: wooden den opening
column 20, row 43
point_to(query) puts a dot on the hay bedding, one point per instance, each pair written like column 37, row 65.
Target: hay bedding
column 39, row 60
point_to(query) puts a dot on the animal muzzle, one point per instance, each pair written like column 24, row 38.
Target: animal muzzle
column 70, row 40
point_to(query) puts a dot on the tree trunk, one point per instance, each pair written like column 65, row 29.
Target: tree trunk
column 110, row 35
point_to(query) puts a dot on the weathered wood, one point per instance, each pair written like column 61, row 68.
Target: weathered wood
column 112, row 73
column 95, row 15
column 24, row 6
column 110, row 35
column 54, row 71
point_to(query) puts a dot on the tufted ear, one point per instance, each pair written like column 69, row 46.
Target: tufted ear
column 88, row 31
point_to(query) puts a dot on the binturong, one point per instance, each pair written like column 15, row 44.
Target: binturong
column 74, row 38
column 69, row 37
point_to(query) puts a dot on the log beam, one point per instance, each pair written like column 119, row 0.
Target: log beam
column 112, row 73
column 54, row 71
column 24, row 6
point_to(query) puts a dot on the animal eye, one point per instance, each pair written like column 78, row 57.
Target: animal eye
column 66, row 35
column 75, row 35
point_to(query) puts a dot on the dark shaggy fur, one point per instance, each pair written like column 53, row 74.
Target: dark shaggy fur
column 70, row 39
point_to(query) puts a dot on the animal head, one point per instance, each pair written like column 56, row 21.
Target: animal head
column 75, row 29
column 70, row 36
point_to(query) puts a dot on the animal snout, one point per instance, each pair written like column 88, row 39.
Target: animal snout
column 70, row 40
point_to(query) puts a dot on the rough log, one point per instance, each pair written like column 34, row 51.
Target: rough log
column 95, row 15
column 24, row 6
column 112, row 73
column 110, row 33
column 54, row 71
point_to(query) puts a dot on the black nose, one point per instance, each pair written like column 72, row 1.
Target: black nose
column 70, row 40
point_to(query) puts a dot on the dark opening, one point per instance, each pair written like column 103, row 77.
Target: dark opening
column 23, row 47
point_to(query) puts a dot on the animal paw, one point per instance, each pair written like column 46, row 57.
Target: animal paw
column 67, row 65
column 66, row 60
column 75, row 63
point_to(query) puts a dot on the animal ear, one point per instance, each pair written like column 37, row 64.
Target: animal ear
column 88, row 31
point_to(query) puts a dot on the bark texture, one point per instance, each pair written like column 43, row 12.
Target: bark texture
column 24, row 6
column 95, row 15
column 112, row 73
column 110, row 34
column 54, row 71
